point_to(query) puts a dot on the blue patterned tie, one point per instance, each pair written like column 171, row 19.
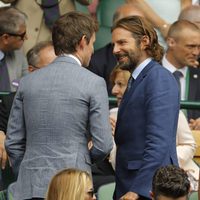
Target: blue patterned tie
column 51, row 11
column 177, row 74
column 130, row 83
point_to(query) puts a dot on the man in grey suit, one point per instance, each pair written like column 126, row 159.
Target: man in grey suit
column 56, row 111
column 13, row 64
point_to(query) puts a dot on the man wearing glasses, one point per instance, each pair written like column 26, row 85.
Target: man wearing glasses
column 13, row 64
column 41, row 16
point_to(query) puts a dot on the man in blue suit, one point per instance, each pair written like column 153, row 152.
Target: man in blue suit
column 147, row 120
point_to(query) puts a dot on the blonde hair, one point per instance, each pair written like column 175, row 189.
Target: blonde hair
column 69, row 184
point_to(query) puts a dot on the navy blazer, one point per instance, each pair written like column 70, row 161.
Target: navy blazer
column 146, row 130
column 194, row 91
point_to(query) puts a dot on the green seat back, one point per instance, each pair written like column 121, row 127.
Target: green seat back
column 105, row 192
column 106, row 10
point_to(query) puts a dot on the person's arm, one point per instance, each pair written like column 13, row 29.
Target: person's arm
column 99, row 121
column 185, row 141
column 85, row 2
column 156, row 21
column 195, row 124
column 3, row 154
column 16, row 133
column 185, row 3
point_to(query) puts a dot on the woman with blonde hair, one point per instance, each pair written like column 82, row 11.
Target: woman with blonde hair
column 71, row 184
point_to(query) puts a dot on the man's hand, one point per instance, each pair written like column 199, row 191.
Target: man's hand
column 195, row 124
column 3, row 154
column 130, row 196
column 113, row 124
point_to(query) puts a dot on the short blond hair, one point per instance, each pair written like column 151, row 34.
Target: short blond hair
column 68, row 184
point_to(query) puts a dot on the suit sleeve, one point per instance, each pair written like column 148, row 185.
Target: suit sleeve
column 162, row 107
column 100, row 128
column 15, row 138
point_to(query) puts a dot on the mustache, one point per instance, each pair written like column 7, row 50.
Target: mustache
column 118, row 56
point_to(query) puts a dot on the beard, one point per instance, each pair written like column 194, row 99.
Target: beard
column 129, row 60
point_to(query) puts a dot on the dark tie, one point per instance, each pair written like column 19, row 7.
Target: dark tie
column 130, row 83
column 4, row 76
column 51, row 11
column 177, row 74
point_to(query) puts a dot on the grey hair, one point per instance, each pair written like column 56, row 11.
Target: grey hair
column 32, row 55
column 11, row 19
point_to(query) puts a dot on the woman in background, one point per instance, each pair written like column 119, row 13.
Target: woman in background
column 71, row 184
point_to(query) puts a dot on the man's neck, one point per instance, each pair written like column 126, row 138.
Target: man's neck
column 170, row 58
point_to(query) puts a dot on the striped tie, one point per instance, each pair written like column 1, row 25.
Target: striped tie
column 177, row 74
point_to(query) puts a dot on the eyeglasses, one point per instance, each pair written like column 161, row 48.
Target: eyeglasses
column 90, row 193
column 22, row 35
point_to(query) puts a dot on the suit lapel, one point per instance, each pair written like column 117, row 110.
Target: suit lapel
column 127, row 96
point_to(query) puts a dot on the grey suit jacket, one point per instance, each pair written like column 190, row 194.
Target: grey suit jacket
column 54, row 111
column 17, row 66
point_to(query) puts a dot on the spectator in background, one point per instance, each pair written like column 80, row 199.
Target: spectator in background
column 71, row 184
column 92, row 8
column 64, row 105
column 183, row 50
column 192, row 14
column 147, row 120
column 170, row 182
column 39, row 56
column 13, row 64
column 41, row 16
column 103, row 61
column 161, row 14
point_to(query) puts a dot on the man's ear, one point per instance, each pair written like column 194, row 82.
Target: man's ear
column 30, row 68
column 151, row 195
column 4, row 38
column 171, row 42
column 83, row 42
column 145, row 42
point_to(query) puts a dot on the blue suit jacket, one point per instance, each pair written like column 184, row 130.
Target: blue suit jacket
column 146, row 130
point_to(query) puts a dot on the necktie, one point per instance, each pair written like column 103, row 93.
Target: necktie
column 51, row 11
column 130, row 83
column 177, row 74
column 4, row 76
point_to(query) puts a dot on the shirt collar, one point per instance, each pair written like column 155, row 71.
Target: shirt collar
column 171, row 67
column 140, row 67
column 74, row 57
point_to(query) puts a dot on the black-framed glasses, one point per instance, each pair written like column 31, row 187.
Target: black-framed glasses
column 90, row 193
column 22, row 35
